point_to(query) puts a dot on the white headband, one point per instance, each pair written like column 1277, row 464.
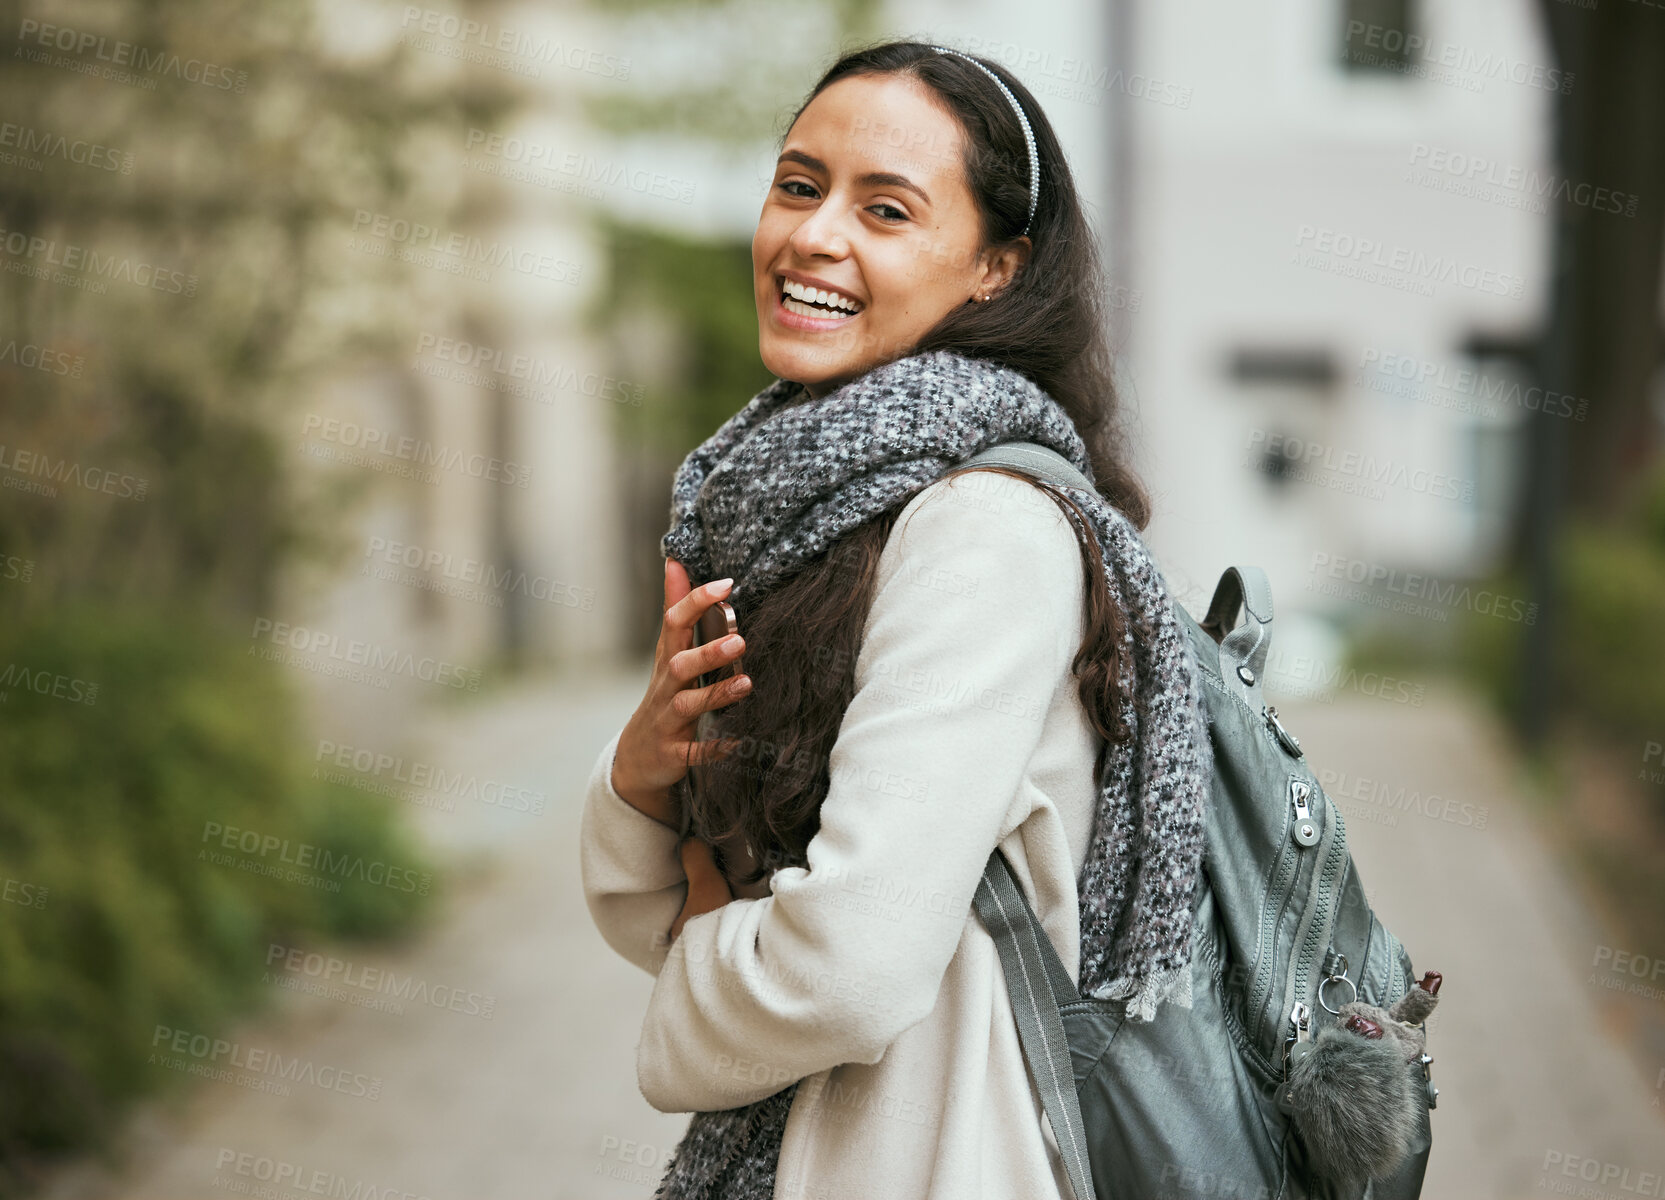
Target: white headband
column 1028, row 136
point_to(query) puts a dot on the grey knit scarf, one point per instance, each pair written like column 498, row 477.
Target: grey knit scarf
column 777, row 484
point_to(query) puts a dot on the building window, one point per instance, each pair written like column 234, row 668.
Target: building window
column 1288, row 387
column 1377, row 35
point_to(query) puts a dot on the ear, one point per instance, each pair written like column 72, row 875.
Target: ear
column 1003, row 265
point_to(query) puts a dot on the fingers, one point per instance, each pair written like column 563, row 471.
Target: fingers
column 682, row 614
column 696, row 661
column 689, row 703
column 699, row 754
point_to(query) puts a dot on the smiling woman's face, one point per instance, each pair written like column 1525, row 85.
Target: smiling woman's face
column 869, row 203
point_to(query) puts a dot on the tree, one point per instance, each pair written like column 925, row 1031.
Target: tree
column 1602, row 343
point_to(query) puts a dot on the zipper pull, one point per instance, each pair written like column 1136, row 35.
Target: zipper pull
column 1306, row 830
column 1295, row 1047
column 1285, row 738
column 1299, row 1043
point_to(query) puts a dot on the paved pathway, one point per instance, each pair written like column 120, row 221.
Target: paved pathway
column 539, row 1101
column 1536, row 1062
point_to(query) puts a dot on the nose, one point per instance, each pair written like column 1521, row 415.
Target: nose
column 821, row 233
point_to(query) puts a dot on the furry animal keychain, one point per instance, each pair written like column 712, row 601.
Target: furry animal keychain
column 1350, row 1097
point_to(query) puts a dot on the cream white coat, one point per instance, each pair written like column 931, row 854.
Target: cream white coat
column 867, row 975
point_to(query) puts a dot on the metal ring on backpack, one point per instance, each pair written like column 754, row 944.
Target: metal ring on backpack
column 1336, row 979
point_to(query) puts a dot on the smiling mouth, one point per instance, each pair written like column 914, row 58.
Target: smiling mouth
column 809, row 302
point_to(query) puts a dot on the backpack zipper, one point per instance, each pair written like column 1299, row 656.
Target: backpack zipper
column 1320, row 915
column 1314, row 933
column 1395, row 977
column 1303, row 833
column 1286, row 873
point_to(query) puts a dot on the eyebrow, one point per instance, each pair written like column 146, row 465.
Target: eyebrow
column 871, row 179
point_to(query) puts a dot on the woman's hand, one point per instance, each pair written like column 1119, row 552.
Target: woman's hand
column 657, row 745
column 707, row 889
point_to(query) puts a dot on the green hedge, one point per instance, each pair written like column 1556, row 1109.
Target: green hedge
column 1613, row 630
column 1610, row 628
column 124, row 739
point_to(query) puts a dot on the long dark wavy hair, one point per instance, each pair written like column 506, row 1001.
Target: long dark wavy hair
column 1049, row 323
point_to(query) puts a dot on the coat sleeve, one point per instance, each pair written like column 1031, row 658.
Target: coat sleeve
column 976, row 617
column 632, row 875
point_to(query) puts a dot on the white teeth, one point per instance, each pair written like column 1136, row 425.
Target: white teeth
column 804, row 310
column 812, row 295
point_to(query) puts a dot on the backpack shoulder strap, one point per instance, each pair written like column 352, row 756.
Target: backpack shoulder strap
column 1033, row 458
column 1243, row 650
column 1037, row 983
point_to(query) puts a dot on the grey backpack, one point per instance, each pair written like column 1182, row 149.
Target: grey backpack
column 1198, row 1101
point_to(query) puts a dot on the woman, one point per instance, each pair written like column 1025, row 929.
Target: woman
column 934, row 666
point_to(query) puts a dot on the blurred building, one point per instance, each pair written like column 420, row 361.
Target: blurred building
column 1326, row 222
column 1336, row 249
column 489, row 535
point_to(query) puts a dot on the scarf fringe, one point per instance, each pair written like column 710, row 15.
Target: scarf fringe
column 1144, row 993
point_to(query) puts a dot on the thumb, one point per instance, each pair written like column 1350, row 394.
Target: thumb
column 677, row 584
